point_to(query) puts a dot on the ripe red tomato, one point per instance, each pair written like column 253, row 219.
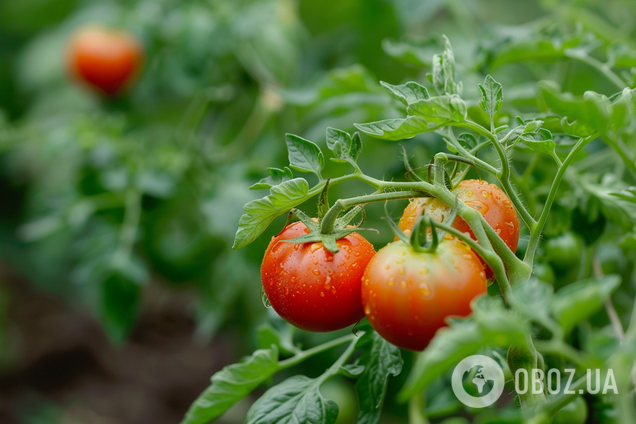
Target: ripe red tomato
column 309, row 286
column 407, row 295
column 486, row 198
column 105, row 59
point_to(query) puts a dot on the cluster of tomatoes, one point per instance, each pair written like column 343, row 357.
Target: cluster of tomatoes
column 405, row 294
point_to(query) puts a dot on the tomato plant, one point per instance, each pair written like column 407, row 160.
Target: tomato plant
column 118, row 224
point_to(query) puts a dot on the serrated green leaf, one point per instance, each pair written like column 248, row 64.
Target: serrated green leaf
column 276, row 176
column 532, row 298
column 443, row 76
column 467, row 140
column 628, row 194
column 395, row 129
column 261, row 212
column 344, row 147
column 577, row 301
column 492, row 96
column 540, row 141
column 593, row 110
column 498, row 325
column 379, row 360
column 439, row 111
column 232, row 384
column 294, row 401
column 532, row 126
column 408, row 93
column 304, row 156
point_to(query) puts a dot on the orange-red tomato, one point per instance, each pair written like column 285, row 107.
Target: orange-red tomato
column 486, row 198
column 407, row 295
column 312, row 288
column 105, row 59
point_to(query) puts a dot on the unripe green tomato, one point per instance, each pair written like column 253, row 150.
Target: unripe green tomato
column 564, row 252
column 574, row 412
column 544, row 272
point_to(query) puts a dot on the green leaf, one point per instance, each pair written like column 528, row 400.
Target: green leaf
column 295, row 400
column 449, row 346
column 628, row 194
column 532, row 126
column 414, row 53
column 277, row 176
column 443, row 77
column 467, row 140
column 232, row 384
column 261, row 212
column 492, row 96
column 575, row 302
column 498, row 325
column 532, row 298
column 395, row 129
column 593, row 110
column 120, row 299
column 439, row 111
column 408, row 93
column 540, row 141
column 344, row 147
column 304, row 156
column 380, row 359
column 492, row 324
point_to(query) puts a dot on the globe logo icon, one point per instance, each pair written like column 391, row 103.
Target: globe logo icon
column 487, row 378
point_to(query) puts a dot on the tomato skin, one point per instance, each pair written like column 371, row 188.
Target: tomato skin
column 312, row 288
column 564, row 252
column 486, row 198
column 104, row 59
column 407, row 295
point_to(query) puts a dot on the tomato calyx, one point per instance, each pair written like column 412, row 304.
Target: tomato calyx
column 414, row 240
column 318, row 232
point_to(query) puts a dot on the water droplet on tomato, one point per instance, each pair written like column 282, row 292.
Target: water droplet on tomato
column 387, row 266
column 315, row 272
column 367, row 310
column 401, row 270
column 314, row 247
column 403, row 284
column 469, row 193
column 264, row 299
column 399, row 261
column 391, row 281
column 322, row 294
column 424, row 271
column 424, row 289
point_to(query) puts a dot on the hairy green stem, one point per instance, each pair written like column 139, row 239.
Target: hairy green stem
column 504, row 174
column 128, row 229
column 536, row 230
column 305, row 354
